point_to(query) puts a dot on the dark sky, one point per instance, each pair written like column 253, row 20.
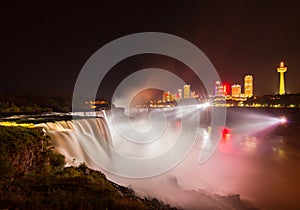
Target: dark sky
column 44, row 49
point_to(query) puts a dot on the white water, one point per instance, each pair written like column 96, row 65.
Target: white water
column 80, row 140
column 263, row 169
column 89, row 141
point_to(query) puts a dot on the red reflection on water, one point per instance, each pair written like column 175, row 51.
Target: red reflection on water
column 226, row 145
column 226, row 132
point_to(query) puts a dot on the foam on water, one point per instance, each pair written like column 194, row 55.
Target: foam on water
column 250, row 160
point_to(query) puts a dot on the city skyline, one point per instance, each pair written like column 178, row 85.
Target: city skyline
column 219, row 90
column 222, row 89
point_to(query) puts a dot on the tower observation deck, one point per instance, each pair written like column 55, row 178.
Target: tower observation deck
column 281, row 69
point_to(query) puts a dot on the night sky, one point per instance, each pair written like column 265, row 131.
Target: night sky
column 44, row 49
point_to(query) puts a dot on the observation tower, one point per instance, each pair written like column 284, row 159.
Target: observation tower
column 281, row 69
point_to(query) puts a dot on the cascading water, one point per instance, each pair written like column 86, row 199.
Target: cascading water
column 80, row 140
column 119, row 148
column 246, row 163
column 93, row 142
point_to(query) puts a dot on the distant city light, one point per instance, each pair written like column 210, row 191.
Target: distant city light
column 26, row 125
column 236, row 90
column 204, row 105
column 248, row 85
column 226, row 89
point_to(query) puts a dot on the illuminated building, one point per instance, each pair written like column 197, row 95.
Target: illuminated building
column 235, row 90
column 194, row 94
column 172, row 97
column 226, row 89
column 281, row 69
column 243, row 96
column 166, row 96
column 97, row 104
column 248, row 85
column 179, row 94
column 219, row 89
column 186, row 91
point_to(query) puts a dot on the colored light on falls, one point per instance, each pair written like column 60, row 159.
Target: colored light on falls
column 240, row 148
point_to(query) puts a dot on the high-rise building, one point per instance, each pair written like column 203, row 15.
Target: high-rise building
column 226, row 89
column 172, row 96
column 179, row 93
column 219, row 89
column 186, row 91
column 194, row 94
column 281, row 69
column 248, row 85
column 166, row 96
column 235, row 90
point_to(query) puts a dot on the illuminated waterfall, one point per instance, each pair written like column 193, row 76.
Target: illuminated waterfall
column 80, row 140
column 125, row 146
column 245, row 158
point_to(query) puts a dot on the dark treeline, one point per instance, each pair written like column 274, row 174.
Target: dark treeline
column 14, row 103
column 287, row 100
column 17, row 104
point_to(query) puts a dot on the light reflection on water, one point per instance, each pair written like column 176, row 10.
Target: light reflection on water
column 261, row 163
column 264, row 169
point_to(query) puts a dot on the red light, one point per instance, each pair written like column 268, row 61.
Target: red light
column 226, row 134
column 226, row 131
column 226, row 89
column 226, row 145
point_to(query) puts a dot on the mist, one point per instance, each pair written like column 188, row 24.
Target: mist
column 251, row 160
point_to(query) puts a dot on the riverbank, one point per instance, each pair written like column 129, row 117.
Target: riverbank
column 32, row 176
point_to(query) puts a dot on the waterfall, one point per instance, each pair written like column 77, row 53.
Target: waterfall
column 82, row 140
column 132, row 146
column 241, row 162
column 125, row 146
